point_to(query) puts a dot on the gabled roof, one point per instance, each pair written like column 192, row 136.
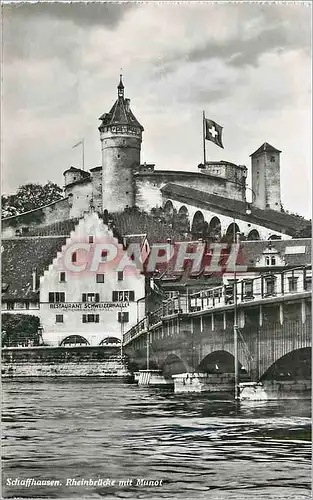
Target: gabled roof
column 272, row 219
column 20, row 257
column 267, row 148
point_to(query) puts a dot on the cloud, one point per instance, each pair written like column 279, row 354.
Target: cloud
column 247, row 65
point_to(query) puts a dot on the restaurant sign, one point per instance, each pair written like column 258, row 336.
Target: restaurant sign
column 88, row 306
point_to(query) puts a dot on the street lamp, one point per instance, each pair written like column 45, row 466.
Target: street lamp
column 235, row 325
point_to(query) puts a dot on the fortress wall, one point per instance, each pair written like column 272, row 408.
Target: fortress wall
column 54, row 212
column 148, row 185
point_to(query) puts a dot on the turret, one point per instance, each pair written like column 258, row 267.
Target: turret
column 121, row 137
column 265, row 163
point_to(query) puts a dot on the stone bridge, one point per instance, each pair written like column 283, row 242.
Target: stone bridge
column 196, row 333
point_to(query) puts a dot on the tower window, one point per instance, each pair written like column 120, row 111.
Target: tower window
column 272, row 159
column 118, row 156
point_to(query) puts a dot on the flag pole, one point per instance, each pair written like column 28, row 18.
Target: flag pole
column 203, row 133
column 83, row 153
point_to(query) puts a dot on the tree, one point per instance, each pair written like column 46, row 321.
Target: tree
column 20, row 329
column 29, row 197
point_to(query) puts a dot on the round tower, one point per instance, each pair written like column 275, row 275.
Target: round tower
column 121, row 136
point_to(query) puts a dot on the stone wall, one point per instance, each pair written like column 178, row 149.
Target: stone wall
column 108, row 368
column 148, row 185
column 57, row 211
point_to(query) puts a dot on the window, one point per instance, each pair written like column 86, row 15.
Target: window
column 27, row 305
column 90, row 239
column 90, row 318
column 123, row 296
column 272, row 159
column 100, row 278
column 123, row 317
column 62, row 277
column 10, row 306
column 270, row 282
column 273, row 261
column 90, row 297
column 308, row 283
column 104, row 255
column 248, row 288
column 293, row 284
column 120, row 276
column 59, row 318
column 74, row 257
column 56, row 297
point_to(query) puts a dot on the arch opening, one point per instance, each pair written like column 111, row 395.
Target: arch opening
column 231, row 229
column 172, row 366
column 215, row 228
column 220, row 362
column 296, row 365
column 74, row 340
column 253, row 235
column 182, row 223
column 168, row 208
column 110, row 341
column 198, row 225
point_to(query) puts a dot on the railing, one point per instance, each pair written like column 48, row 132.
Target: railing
column 268, row 285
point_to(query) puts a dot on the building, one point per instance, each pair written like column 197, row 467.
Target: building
column 214, row 190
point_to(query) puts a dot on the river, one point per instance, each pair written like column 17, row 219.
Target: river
column 191, row 446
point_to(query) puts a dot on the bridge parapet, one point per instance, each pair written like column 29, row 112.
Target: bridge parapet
column 270, row 287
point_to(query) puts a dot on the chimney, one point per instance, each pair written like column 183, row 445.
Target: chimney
column 127, row 104
column 34, row 280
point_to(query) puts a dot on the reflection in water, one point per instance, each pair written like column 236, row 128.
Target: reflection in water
column 198, row 446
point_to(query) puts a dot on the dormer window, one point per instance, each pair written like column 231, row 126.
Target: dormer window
column 267, row 261
column 273, row 261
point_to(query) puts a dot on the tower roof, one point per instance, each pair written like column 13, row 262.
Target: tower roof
column 120, row 113
column 265, row 148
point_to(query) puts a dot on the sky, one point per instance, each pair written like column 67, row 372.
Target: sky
column 248, row 65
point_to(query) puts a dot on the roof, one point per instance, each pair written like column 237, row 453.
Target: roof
column 134, row 222
column 63, row 228
column 75, row 169
column 95, row 169
column 267, row 148
column 79, row 181
column 296, row 252
column 20, row 256
column 272, row 219
column 120, row 113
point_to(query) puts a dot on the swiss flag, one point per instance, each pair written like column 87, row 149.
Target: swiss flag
column 213, row 132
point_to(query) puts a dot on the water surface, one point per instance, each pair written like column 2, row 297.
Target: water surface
column 196, row 446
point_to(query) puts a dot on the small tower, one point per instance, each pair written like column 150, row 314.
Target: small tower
column 265, row 163
column 121, row 136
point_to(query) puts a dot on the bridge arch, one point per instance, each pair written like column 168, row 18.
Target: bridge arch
column 173, row 365
column 295, row 365
column 108, row 341
column 74, row 340
column 219, row 362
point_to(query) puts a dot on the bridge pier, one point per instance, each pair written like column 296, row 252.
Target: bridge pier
column 152, row 378
column 203, row 382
